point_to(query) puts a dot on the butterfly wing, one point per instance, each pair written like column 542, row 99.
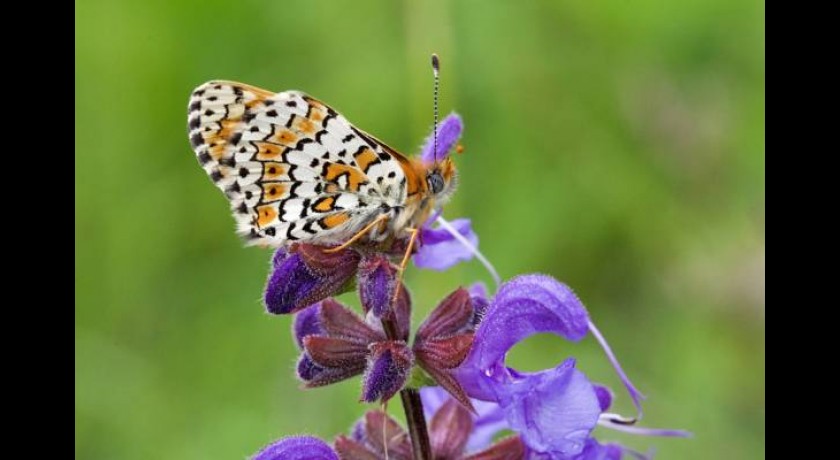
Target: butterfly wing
column 293, row 168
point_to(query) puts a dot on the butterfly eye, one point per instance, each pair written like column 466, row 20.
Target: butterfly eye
column 435, row 181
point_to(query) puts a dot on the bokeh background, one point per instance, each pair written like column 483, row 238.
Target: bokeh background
column 618, row 146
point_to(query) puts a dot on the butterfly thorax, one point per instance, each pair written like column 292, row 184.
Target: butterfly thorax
column 423, row 195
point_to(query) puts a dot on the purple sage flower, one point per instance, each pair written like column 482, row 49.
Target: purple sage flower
column 440, row 250
column 389, row 364
column 377, row 280
column 305, row 275
column 297, row 448
column 443, row 340
column 554, row 410
column 448, row 133
column 489, row 419
column 337, row 344
column 377, row 436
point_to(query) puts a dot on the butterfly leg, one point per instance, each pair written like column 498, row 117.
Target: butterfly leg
column 358, row 234
column 414, row 233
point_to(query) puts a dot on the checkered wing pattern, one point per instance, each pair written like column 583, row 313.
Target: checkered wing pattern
column 292, row 168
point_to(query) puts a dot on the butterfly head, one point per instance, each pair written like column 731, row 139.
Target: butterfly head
column 441, row 180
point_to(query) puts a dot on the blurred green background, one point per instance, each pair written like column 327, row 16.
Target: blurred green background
column 618, row 146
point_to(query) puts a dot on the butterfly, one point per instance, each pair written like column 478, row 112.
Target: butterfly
column 295, row 170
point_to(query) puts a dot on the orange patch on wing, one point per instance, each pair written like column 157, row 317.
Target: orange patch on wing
column 315, row 104
column 257, row 101
column 273, row 191
column 223, row 135
column 216, row 149
column 335, row 220
column 316, row 115
column 227, row 126
column 325, row 204
column 365, row 158
column 266, row 215
column 354, row 177
column 268, row 152
column 273, row 171
column 286, row 138
column 305, row 126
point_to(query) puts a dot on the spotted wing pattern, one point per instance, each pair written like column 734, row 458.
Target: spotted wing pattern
column 293, row 168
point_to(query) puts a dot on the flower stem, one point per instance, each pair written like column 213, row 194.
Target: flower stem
column 413, row 407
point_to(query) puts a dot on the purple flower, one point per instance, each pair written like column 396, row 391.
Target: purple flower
column 439, row 250
column 337, row 345
column 297, row 448
column 443, row 341
column 377, row 281
column 305, row 275
column 448, row 133
column 377, row 436
column 554, row 410
column 389, row 364
column 488, row 419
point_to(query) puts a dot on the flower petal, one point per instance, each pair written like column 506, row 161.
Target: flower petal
column 314, row 375
column 383, row 434
column 334, row 351
column 479, row 289
column 402, row 313
column 451, row 316
column 297, row 448
column 340, row 322
column 605, row 397
column 307, row 322
column 288, row 283
column 554, row 411
column 350, row 449
column 523, row 306
column 439, row 250
column 449, row 430
column 488, row 418
column 306, row 276
column 446, row 353
column 387, row 370
column 307, row 369
column 448, row 132
column 595, row 451
column 510, row 448
column 279, row 256
column 377, row 281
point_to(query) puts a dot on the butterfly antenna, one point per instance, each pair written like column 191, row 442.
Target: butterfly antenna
column 436, row 70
